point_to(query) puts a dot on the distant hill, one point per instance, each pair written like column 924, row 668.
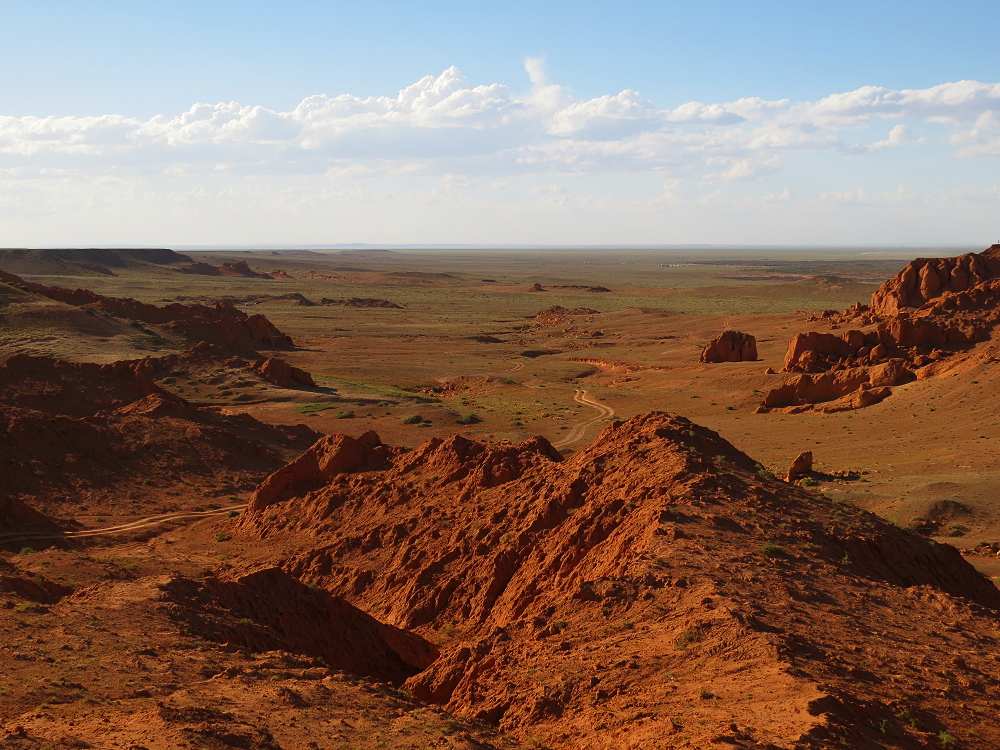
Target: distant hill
column 84, row 261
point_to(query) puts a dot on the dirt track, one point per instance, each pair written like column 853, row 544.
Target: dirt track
column 121, row 528
column 577, row 432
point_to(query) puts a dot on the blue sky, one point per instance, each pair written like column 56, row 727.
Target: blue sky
column 598, row 122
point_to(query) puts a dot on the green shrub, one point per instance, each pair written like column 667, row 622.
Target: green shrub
column 469, row 419
column 413, row 419
column 687, row 637
column 26, row 551
column 769, row 549
column 345, row 414
column 808, row 482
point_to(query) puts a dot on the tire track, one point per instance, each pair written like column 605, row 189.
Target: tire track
column 604, row 413
column 141, row 523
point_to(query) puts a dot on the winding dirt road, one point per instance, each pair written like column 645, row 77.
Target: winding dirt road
column 604, row 413
column 141, row 523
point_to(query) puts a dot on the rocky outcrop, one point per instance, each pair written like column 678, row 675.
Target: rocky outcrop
column 327, row 457
column 925, row 279
column 222, row 324
column 73, row 388
column 731, row 346
column 279, row 274
column 268, row 610
column 918, row 340
column 238, row 269
column 932, row 309
column 801, row 467
column 656, row 568
column 557, row 314
column 842, row 390
column 200, row 268
column 18, row 518
column 280, row 373
column 362, row 302
column 81, row 432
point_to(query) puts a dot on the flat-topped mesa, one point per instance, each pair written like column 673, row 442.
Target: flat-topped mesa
column 925, row 279
column 731, row 346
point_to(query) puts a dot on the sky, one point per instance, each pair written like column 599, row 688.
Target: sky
column 307, row 123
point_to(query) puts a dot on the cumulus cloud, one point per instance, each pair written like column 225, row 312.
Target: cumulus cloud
column 444, row 123
column 451, row 132
column 535, row 68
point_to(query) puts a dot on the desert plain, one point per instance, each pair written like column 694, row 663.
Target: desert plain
column 469, row 498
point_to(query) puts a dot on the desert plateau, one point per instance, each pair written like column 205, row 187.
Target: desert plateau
column 555, row 498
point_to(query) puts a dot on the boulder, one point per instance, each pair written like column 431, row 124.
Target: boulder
column 731, row 346
column 280, row 373
column 802, row 466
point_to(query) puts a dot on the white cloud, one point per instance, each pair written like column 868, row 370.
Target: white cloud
column 441, row 133
column 444, row 124
column 535, row 68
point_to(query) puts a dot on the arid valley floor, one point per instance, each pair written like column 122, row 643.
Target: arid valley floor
column 495, row 499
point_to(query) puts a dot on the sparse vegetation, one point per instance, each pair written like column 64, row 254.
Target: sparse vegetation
column 769, row 549
column 689, row 636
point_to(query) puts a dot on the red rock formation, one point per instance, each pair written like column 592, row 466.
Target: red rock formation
column 925, row 279
column 932, row 308
column 655, row 569
column 279, row 372
column 200, row 268
column 287, row 615
column 844, row 389
column 30, row 586
column 362, row 302
column 235, row 268
column 78, row 432
column 802, row 466
column 557, row 314
column 222, row 324
column 328, row 456
column 18, row 518
column 279, row 274
column 241, row 269
column 73, row 388
column 731, row 346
